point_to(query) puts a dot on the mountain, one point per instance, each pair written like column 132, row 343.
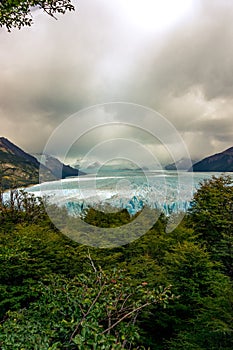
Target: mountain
column 118, row 165
column 94, row 165
column 182, row 164
column 18, row 168
column 120, row 168
column 7, row 147
column 57, row 168
column 87, row 166
column 222, row 162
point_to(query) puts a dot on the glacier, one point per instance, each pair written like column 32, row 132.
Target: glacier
column 169, row 192
column 133, row 206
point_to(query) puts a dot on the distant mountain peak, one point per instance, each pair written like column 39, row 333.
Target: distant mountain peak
column 181, row 164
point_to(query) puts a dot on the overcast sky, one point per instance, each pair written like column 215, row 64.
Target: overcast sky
column 173, row 56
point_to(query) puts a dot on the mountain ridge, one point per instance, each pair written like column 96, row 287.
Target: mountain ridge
column 219, row 162
column 10, row 147
column 19, row 168
column 58, row 169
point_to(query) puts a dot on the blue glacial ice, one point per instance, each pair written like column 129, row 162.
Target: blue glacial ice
column 167, row 192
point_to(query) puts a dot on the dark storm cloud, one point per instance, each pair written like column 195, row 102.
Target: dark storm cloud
column 189, row 78
column 197, row 54
column 56, row 68
column 200, row 54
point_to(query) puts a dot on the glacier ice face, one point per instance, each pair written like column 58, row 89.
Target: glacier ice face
column 133, row 205
column 165, row 191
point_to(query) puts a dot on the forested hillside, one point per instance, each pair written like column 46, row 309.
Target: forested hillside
column 163, row 291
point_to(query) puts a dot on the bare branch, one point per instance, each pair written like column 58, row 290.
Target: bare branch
column 127, row 315
column 87, row 313
column 91, row 261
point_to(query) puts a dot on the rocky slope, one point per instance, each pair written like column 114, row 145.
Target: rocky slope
column 18, row 168
column 56, row 167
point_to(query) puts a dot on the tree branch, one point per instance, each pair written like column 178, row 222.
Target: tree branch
column 87, row 313
column 126, row 315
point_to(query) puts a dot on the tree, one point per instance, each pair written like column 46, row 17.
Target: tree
column 4, row 173
column 18, row 13
column 212, row 218
column 98, row 311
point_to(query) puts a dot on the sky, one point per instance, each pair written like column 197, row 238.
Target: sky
column 174, row 57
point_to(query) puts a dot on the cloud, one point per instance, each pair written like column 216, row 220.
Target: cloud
column 96, row 55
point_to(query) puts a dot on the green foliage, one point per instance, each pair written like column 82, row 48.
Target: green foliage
column 22, row 207
column 54, row 295
column 98, row 311
column 18, row 13
column 203, row 294
column 98, row 218
column 212, row 218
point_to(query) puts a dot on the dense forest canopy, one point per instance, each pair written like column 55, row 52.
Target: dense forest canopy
column 163, row 291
